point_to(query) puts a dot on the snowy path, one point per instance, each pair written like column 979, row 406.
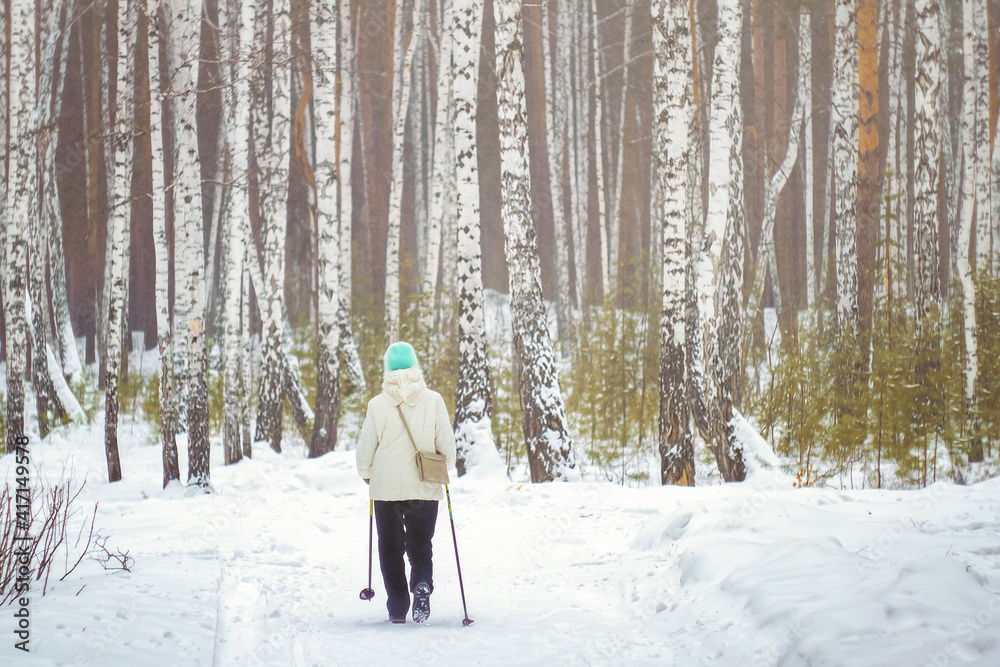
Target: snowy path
column 267, row 570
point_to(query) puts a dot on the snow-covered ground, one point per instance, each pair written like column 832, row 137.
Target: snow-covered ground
column 267, row 570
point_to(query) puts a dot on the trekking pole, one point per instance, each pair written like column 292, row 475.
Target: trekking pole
column 466, row 621
column 369, row 593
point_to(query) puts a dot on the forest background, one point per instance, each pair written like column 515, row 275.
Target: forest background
column 290, row 173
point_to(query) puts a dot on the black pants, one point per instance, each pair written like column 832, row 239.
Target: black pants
column 404, row 526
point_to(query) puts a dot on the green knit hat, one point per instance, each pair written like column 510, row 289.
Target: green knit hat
column 399, row 356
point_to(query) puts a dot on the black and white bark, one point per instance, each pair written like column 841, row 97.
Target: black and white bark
column 20, row 182
column 184, row 58
column 164, row 326
column 328, row 175
column 719, row 276
column 120, row 147
column 844, row 120
column 927, row 146
column 546, row 433
column 674, row 114
column 473, row 428
column 236, row 18
column 271, row 138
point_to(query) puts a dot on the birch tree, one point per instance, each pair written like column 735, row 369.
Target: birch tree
column 20, row 191
column 844, row 121
column 184, row 55
column 926, row 157
column 443, row 177
column 473, row 430
column 550, row 451
column 164, row 327
column 975, row 197
column 49, row 384
column 404, row 47
column 121, row 148
column 327, row 175
column 602, row 207
column 556, row 58
column 719, row 274
column 236, row 19
column 64, row 339
column 674, row 124
column 766, row 258
column 271, row 137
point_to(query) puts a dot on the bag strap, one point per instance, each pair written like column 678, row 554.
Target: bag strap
column 407, row 427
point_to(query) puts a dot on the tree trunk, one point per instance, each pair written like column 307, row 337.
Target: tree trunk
column 164, row 329
column 546, row 434
column 473, row 404
column 675, row 124
column 869, row 193
column 844, row 121
column 602, row 207
column 325, row 100
column 189, row 236
column 21, row 192
column 720, row 269
column 271, row 141
column 121, row 148
column 926, row 158
column 405, row 46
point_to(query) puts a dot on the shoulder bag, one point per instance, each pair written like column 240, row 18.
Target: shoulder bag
column 432, row 467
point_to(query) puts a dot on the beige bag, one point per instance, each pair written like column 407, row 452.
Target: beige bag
column 432, row 468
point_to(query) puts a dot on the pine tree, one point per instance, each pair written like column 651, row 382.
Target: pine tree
column 844, row 119
column 550, row 450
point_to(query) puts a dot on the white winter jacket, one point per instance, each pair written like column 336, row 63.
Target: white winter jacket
column 385, row 455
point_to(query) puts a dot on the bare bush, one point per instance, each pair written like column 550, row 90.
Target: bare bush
column 46, row 540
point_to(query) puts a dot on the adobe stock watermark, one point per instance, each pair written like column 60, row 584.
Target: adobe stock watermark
column 22, row 544
column 966, row 630
column 866, row 558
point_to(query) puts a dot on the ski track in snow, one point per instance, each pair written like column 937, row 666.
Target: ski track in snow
column 266, row 570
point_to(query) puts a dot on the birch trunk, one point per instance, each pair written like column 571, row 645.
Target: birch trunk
column 675, row 123
column 324, row 60
column 347, row 105
column 65, row 341
column 164, row 329
column 271, row 141
column 616, row 200
column 40, row 225
column 236, row 17
column 442, row 181
column 405, row 46
column 473, row 428
column 719, row 274
column 893, row 167
column 603, row 217
column 185, row 31
column 927, row 151
column 557, row 107
column 121, row 148
column 546, row 434
column 578, row 158
column 974, row 133
column 980, row 82
column 844, row 119
column 765, row 252
column 806, row 98
column 21, row 192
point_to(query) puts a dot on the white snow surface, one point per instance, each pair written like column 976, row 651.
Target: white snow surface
column 266, row 570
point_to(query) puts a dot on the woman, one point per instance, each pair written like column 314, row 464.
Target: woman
column 405, row 508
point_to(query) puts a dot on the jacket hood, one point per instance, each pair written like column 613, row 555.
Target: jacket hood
column 405, row 385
